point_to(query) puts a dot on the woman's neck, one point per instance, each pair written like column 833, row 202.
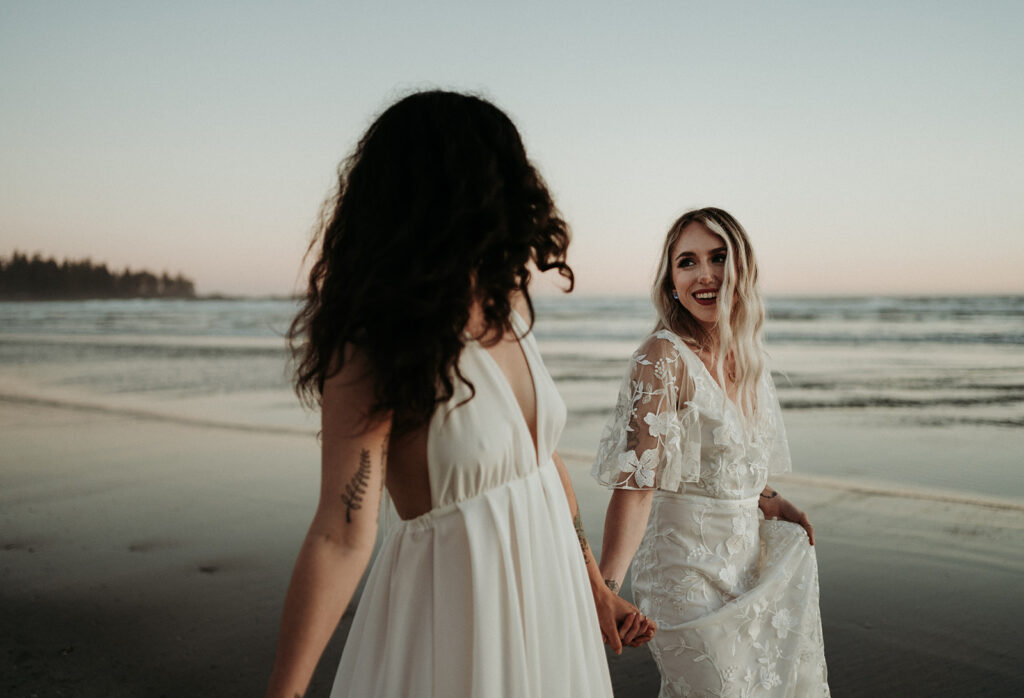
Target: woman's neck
column 709, row 341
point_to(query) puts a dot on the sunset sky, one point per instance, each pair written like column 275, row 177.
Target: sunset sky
column 868, row 147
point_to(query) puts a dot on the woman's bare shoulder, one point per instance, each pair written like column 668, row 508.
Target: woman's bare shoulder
column 349, row 399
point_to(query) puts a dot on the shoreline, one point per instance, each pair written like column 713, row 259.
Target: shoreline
column 866, row 487
column 185, row 416
column 142, row 556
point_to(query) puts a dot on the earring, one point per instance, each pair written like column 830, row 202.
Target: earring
column 675, row 295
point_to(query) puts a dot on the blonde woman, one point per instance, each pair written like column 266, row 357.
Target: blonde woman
column 721, row 561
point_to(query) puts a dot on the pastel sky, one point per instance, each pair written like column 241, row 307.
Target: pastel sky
column 868, row 147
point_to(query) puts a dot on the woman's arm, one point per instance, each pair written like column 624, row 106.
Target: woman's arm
column 624, row 526
column 619, row 620
column 775, row 506
column 340, row 539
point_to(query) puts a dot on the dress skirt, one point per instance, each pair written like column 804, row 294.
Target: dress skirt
column 488, row 596
column 735, row 598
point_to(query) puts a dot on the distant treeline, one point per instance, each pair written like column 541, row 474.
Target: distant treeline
column 35, row 278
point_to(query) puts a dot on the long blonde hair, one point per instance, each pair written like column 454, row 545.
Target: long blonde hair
column 740, row 307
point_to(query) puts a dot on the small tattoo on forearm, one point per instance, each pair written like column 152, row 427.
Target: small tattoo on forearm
column 356, row 487
column 577, row 521
column 613, row 585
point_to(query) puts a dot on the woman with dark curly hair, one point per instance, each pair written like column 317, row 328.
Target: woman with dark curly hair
column 415, row 341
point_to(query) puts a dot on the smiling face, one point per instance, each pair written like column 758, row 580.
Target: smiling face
column 698, row 260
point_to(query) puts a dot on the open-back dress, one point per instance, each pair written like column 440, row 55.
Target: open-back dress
column 735, row 597
column 487, row 593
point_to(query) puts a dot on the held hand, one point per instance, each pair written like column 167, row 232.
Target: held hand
column 779, row 507
column 609, row 612
column 621, row 622
column 637, row 629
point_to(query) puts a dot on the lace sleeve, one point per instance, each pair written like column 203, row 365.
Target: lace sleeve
column 653, row 438
column 779, row 460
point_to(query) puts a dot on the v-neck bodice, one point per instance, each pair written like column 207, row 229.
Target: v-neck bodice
column 486, row 594
column 675, row 429
column 697, row 366
column 486, row 441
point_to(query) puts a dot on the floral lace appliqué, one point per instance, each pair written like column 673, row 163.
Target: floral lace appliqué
column 671, row 408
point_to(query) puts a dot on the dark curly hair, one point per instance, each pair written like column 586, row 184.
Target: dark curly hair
column 438, row 206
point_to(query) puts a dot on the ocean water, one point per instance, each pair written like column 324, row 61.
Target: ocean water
column 907, row 391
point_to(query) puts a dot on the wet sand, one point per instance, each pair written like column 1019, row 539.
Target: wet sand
column 145, row 557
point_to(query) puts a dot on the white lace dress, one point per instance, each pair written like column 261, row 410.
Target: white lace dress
column 486, row 594
column 735, row 597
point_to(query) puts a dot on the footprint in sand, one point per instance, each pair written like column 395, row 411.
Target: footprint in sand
column 19, row 546
column 147, row 546
column 224, row 565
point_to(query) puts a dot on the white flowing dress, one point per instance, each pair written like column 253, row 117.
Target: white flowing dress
column 735, row 597
column 486, row 594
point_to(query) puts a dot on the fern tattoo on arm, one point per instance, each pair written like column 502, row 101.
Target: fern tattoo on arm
column 577, row 521
column 356, row 487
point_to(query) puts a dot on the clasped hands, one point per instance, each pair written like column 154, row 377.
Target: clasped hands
column 621, row 622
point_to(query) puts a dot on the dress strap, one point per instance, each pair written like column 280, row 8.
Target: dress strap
column 519, row 324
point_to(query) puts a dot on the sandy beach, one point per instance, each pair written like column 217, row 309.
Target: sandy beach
column 142, row 557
